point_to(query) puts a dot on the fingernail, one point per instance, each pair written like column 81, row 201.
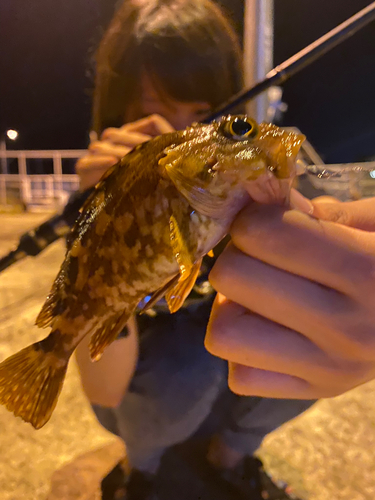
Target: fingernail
column 299, row 202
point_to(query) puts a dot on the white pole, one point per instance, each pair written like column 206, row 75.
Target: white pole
column 24, row 181
column 57, row 174
column 258, row 51
column 3, row 190
column 3, row 150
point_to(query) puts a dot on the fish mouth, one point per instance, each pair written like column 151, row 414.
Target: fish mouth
column 281, row 152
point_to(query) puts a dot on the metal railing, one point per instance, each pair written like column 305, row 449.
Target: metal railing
column 43, row 190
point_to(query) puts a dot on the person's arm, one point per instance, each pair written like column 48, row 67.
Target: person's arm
column 295, row 316
column 106, row 381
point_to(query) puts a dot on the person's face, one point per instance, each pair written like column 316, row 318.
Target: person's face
column 178, row 114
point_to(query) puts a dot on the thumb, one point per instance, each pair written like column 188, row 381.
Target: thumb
column 358, row 214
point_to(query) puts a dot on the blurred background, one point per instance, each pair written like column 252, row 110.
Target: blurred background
column 47, row 67
column 46, row 72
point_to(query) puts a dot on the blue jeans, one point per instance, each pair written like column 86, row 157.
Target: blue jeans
column 177, row 384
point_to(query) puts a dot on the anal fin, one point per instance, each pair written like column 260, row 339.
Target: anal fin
column 107, row 333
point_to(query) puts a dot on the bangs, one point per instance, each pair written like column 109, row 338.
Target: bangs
column 190, row 51
column 186, row 73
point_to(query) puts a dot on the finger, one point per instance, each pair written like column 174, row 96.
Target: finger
column 95, row 162
column 299, row 202
column 238, row 335
column 124, row 137
column 247, row 381
column 358, row 214
column 268, row 189
column 107, row 148
column 325, row 199
column 152, row 125
column 91, row 168
column 332, row 321
column 331, row 254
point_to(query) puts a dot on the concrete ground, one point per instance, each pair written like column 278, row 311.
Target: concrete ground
column 326, row 454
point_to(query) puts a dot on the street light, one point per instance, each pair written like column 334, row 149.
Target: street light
column 12, row 135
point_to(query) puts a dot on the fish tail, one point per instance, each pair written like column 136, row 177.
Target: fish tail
column 30, row 383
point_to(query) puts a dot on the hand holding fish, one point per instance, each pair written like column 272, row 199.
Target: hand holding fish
column 295, row 315
column 116, row 143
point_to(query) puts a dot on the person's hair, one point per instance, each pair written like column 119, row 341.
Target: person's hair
column 187, row 48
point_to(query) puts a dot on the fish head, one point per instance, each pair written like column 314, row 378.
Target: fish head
column 218, row 165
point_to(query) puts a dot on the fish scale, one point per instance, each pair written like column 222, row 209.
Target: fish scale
column 144, row 232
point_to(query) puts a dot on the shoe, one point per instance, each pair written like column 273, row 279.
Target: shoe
column 113, row 485
column 249, row 480
column 118, row 485
column 140, row 486
column 255, row 484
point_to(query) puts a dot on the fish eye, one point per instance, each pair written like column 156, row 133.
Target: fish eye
column 241, row 128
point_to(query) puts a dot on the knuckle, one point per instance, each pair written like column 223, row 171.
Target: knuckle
column 236, row 386
column 345, row 376
column 262, row 229
column 242, row 380
column 94, row 145
column 108, row 133
column 360, row 273
column 221, row 274
column 338, row 214
column 218, row 335
column 353, row 329
column 365, row 292
column 236, row 382
column 157, row 119
column 350, row 378
column 361, row 341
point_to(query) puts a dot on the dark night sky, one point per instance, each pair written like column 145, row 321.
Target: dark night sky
column 45, row 73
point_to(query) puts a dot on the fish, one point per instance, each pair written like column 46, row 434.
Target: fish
column 143, row 232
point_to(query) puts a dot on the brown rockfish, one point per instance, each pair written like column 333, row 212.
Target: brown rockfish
column 144, row 230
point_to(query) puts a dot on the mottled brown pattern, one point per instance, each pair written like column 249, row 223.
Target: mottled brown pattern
column 119, row 220
column 51, row 343
column 73, row 270
column 120, row 249
column 131, row 235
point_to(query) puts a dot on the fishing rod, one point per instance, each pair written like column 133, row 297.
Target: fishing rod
column 299, row 61
column 33, row 242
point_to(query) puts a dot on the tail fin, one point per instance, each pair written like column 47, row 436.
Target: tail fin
column 30, row 383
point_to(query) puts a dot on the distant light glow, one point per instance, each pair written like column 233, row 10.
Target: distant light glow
column 372, row 174
column 12, row 134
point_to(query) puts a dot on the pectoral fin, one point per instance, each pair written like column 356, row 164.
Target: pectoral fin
column 182, row 247
column 176, row 296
